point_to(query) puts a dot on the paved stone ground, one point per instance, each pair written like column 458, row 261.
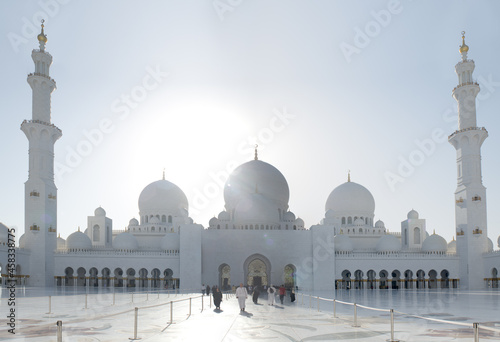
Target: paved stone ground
column 299, row 321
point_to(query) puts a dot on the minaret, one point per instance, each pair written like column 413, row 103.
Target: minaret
column 40, row 190
column 470, row 195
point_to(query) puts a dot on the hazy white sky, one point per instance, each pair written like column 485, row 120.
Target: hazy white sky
column 190, row 86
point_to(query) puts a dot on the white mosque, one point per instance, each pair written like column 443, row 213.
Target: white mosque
column 255, row 239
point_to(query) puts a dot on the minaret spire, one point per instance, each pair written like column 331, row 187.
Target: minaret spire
column 256, row 155
column 349, row 175
column 42, row 38
column 470, row 195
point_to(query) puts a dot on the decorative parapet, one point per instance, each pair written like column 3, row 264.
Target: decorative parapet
column 394, row 255
column 107, row 252
column 465, row 84
column 41, row 75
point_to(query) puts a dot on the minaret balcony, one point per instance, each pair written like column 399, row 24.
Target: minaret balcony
column 42, row 75
column 460, row 233
column 476, row 198
column 34, row 193
column 465, row 84
column 34, row 228
column 467, row 129
column 41, row 123
column 477, row 231
column 52, row 230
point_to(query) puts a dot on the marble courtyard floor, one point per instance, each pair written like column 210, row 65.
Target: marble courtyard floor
column 428, row 315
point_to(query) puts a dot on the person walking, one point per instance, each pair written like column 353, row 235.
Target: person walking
column 217, row 298
column 292, row 295
column 255, row 294
column 241, row 294
column 282, row 293
column 271, row 292
column 208, row 290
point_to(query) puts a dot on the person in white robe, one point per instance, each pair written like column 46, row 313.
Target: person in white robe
column 271, row 292
column 241, row 294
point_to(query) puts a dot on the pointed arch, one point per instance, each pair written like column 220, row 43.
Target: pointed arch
column 264, row 268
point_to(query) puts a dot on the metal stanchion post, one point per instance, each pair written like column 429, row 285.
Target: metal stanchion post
column 147, row 296
column 355, row 316
column 113, row 297
column 210, row 301
column 309, row 301
column 171, row 312
column 59, row 331
column 85, row 301
column 318, row 302
column 302, row 300
column 158, row 294
column 135, row 325
column 476, row 331
column 189, row 306
column 392, row 327
column 132, row 297
column 50, row 305
column 202, row 302
column 334, row 308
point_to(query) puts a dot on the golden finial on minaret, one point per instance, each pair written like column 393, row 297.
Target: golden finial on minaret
column 349, row 175
column 78, row 228
column 464, row 48
column 42, row 37
column 433, row 232
column 256, row 156
column 163, row 173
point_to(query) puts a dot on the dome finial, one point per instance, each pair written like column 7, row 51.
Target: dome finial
column 78, row 228
column 464, row 48
column 163, row 173
column 42, row 38
column 256, row 156
column 433, row 232
column 349, row 175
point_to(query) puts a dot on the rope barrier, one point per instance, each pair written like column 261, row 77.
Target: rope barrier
column 469, row 325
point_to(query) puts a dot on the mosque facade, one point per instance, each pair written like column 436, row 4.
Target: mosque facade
column 255, row 239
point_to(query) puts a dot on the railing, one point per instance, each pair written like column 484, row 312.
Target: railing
column 42, row 75
column 356, row 324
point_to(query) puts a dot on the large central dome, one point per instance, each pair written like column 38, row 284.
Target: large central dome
column 162, row 197
column 351, row 198
column 256, row 176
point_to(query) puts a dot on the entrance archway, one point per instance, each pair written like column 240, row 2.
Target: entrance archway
column 225, row 277
column 257, row 270
column 290, row 276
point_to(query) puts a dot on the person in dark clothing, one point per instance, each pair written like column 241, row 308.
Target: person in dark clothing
column 217, row 298
column 292, row 295
column 208, row 290
column 255, row 294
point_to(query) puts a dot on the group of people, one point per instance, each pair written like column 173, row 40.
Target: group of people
column 242, row 295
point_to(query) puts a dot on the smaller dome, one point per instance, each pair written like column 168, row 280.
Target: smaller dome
column 490, row 245
column 359, row 222
column 133, row 222
column 343, row 243
column 213, row 222
column 299, row 222
column 330, row 214
column 99, row 212
column 4, row 233
column 25, row 239
column 170, row 241
column 78, row 240
column 452, row 246
column 224, row 216
column 289, row 216
column 388, row 243
column 379, row 224
column 154, row 220
column 125, row 241
column 412, row 215
column 61, row 243
column 434, row 244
